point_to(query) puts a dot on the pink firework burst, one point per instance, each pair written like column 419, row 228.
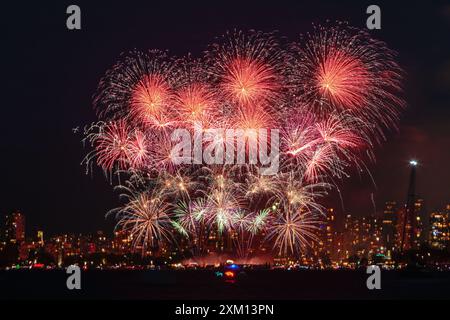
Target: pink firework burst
column 341, row 68
column 112, row 146
column 342, row 79
column 151, row 101
column 196, row 103
column 138, row 150
column 247, row 67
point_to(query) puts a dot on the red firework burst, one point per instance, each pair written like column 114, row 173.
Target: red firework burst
column 151, row 100
column 248, row 68
column 248, row 81
column 139, row 83
column 342, row 131
column 112, row 146
column 343, row 69
column 322, row 161
column 195, row 103
column 138, row 150
column 162, row 155
column 253, row 119
column 342, row 80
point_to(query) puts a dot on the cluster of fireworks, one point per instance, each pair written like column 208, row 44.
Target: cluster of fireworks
column 333, row 95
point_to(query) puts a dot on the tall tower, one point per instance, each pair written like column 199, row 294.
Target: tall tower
column 408, row 217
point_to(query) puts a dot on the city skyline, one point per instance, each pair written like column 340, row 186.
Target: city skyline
column 340, row 217
column 375, row 239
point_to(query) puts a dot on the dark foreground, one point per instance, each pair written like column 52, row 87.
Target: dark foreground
column 183, row 285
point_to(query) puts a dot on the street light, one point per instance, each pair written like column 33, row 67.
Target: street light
column 413, row 163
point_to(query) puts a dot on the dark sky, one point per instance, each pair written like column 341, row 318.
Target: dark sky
column 49, row 75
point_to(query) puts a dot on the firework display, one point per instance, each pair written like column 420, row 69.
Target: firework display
column 332, row 95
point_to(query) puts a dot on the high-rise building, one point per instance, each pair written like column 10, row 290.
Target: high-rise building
column 362, row 236
column 439, row 237
column 328, row 232
column 389, row 224
column 325, row 248
column 338, row 252
column 374, row 236
column 354, row 236
column 121, row 242
column 412, row 234
column 14, row 228
column 348, row 236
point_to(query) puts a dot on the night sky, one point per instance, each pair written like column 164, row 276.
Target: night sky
column 49, row 75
